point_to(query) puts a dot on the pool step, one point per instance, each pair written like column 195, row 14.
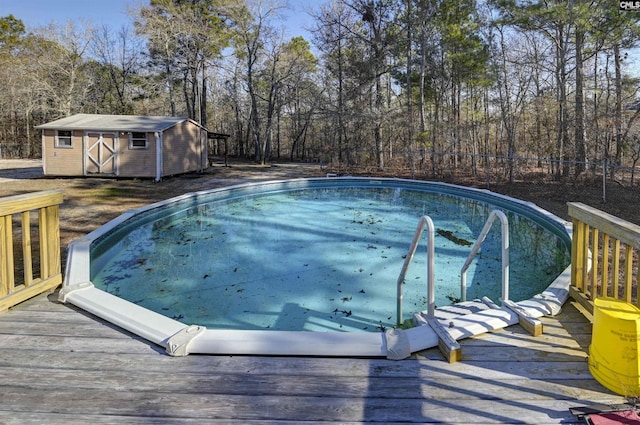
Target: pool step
column 444, row 319
column 463, row 308
column 446, row 322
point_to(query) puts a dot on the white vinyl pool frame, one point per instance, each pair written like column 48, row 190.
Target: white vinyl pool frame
column 180, row 339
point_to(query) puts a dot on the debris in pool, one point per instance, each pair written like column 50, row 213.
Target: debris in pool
column 453, row 299
column 205, row 276
column 346, row 299
column 362, row 291
column 456, row 240
column 178, row 316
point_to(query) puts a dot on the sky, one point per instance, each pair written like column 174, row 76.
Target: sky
column 35, row 13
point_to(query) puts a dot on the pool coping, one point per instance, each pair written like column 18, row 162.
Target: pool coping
column 180, row 339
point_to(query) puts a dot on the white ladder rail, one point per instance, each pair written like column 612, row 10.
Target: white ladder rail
column 476, row 247
column 425, row 221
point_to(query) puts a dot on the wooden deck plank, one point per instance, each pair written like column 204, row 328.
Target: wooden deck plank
column 279, row 384
column 62, row 366
column 355, row 368
column 501, row 352
column 290, row 407
column 22, row 418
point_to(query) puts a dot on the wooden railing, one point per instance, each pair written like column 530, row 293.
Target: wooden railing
column 46, row 264
column 604, row 256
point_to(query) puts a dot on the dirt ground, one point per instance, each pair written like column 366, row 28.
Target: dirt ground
column 91, row 202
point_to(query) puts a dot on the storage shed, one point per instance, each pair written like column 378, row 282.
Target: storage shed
column 123, row 146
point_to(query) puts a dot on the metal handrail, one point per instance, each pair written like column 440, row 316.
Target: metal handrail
column 476, row 248
column 424, row 221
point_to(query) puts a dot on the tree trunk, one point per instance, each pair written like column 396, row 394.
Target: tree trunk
column 618, row 108
column 562, row 136
column 579, row 105
column 203, row 97
column 410, row 142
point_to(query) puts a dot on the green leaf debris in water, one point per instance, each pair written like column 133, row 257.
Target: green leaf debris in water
column 456, row 240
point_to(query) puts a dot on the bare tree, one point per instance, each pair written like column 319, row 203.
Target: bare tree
column 512, row 83
column 120, row 56
column 330, row 38
column 184, row 38
column 60, row 61
column 259, row 45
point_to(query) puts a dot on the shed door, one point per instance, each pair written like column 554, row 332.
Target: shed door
column 101, row 153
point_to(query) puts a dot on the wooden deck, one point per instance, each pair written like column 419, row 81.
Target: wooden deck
column 59, row 365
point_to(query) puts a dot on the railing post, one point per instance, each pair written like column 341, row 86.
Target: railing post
column 27, row 259
column 594, row 261
column 50, row 231
column 6, row 256
column 577, row 263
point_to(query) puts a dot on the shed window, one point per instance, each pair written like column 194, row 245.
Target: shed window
column 63, row 139
column 137, row 140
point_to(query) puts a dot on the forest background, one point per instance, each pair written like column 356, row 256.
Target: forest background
column 495, row 89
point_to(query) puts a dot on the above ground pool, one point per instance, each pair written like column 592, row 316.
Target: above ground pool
column 299, row 262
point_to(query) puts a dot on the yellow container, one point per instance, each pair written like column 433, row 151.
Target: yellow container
column 613, row 354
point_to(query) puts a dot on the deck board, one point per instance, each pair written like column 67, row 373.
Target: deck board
column 59, row 365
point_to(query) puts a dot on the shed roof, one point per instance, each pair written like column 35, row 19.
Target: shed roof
column 114, row 123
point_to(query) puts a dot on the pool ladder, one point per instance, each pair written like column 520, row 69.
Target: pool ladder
column 448, row 345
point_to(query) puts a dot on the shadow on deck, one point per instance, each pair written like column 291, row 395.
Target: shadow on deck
column 61, row 365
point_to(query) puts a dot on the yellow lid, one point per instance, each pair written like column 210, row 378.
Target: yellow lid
column 618, row 308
